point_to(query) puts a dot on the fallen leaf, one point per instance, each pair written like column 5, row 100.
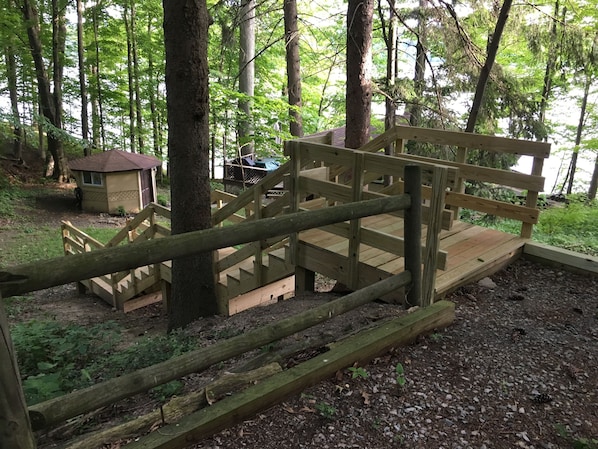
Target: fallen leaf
column 366, row 398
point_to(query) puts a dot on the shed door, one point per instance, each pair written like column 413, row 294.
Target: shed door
column 147, row 194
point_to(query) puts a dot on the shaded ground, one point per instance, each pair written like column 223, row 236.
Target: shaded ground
column 517, row 369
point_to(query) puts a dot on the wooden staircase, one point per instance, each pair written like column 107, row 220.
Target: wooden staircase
column 262, row 269
column 357, row 252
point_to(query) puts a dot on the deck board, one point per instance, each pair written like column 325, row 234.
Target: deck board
column 473, row 252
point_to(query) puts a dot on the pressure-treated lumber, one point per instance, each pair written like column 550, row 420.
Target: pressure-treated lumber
column 569, row 260
column 15, row 428
column 433, row 237
column 109, row 260
column 413, row 234
column 81, row 401
column 176, row 408
column 361, row 348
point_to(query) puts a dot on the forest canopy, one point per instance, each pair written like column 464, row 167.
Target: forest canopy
column 90, row 75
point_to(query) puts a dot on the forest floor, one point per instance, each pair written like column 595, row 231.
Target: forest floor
column 517, row 368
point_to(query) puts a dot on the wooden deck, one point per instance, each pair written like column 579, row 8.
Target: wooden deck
column 472, row 253
column 359, row 252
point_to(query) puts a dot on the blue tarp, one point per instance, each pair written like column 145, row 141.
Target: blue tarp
column 268, row 163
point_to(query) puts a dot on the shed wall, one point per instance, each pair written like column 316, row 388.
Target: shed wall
column 94, row 197
column 122, row 189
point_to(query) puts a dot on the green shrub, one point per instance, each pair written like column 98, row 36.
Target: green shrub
column 53, row 356
column 162, row 200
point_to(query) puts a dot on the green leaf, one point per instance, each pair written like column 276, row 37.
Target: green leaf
column 45, row 366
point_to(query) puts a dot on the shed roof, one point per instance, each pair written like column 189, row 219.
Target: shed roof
column 114, row 161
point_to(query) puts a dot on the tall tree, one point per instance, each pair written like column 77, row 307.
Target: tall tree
column 493, row 44
column 390, row 32
column 50, row 102
column 550, row 66
column 246, row 74
column 82, row 81
column 579, row 132
column 420, row 64
column 291, row 31
column 97, row 94
column 136, row 79
column 186, row 41
column 359, row 61
column 130, row 76
column 11, row 76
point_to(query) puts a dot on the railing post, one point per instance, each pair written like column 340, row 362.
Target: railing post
column 413, row 232
column 439, row 180
column 355, row 225
column 14, row 417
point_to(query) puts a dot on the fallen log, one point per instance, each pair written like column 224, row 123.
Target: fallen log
column 176, row 408
column 361, row 348
column 61, row 408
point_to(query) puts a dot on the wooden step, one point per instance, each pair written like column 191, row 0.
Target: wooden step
column 268, row 294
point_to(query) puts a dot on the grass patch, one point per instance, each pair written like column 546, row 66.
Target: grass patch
column 573, row 226
column 11, row 196
column 29, row 243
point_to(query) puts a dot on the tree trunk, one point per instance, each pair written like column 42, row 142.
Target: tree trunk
column 99, row 139
column 478, row 98
column 246, row 74
column 420, row 65
column 132, row 140
column 593, row 182
column 550, row 64
column 580, row 126
column 136, row 79
column 153, row 93
column 82, row 81
column 11, row 76
column 51, row 105
column 186, row 42
column 15, row 426
column 390, row 38
column 293, row 66
column 359, row 63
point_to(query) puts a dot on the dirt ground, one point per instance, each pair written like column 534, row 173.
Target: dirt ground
column 518, row 368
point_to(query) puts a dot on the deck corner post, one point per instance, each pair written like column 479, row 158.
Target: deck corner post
column 413, row 232
column 15, row 424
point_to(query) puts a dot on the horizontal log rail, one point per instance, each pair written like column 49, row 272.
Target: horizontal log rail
column 56, row 410
column 107, row 260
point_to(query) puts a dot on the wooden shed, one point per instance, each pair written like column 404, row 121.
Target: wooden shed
column 115, row 180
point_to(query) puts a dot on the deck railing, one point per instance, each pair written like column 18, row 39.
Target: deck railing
column 461, row 143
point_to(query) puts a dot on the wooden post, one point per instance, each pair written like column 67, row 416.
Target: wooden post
column 439, row 180
column 15, row 426
column 355, row 225
column 305, row 280
column 531, row 199
column 413, row 233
